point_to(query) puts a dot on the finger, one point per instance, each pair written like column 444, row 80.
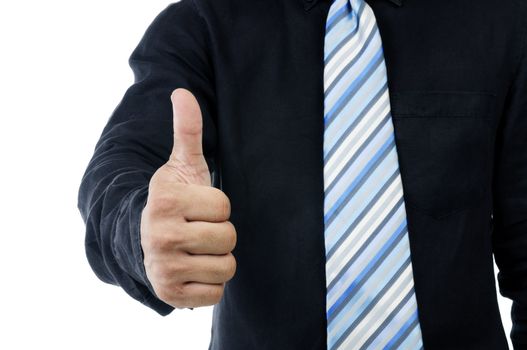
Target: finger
column 205, row 203
column 188, row 127
column 208, row 268
column 209, row 238
column 203, row 294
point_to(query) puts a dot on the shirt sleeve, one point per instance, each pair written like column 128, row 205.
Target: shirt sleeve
column 510, row 203
column 137, row 140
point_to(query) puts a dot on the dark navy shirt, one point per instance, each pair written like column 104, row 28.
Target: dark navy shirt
column 457, row 74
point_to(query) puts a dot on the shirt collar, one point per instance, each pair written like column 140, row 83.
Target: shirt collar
column 308, row 4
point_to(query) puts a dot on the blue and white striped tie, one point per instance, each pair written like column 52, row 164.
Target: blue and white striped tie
column 370, row 297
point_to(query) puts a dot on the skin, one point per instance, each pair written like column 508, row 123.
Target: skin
column 186, row 235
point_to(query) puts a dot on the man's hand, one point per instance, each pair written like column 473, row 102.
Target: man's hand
column 185, row 233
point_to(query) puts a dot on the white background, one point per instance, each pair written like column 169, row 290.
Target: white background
column 63, row 69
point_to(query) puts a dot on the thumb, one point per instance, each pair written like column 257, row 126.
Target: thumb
column 188, row 128
column 187, row 152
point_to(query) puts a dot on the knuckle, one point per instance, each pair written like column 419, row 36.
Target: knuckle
column 164, row 294
column 178, row 239
column 161, row 273
column 226, row 207
column 216, row 294
column 166, row 273
column 166, row 200
column 157, row 243
column 180, row 270
column 160, row 205
column 216, row 272
column 176, row 236
column 230, row 267
column 174, row 294
column 231, row 236
column 167, row 287
column 179, row 295
column 223, row 205
column 158, row 237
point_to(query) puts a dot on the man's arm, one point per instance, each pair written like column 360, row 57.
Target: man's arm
column 137, row 140
column 510, row 203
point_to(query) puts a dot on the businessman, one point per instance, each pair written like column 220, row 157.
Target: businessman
column 329, row 174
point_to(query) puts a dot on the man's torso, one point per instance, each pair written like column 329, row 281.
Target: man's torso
column 450, row 64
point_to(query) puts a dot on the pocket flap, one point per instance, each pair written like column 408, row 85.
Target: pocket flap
column 442, row 104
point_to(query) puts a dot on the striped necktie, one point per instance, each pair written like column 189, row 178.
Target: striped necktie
column 370, row 299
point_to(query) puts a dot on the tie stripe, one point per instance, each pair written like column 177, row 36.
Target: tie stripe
column 335, row 63
column 370, row 268
column 343, row 166
column 335, row 19
column 370, row 299
column 356, row 122
column 352, row 89
column 347, row 41
column 358, row 235
column 397, row 280
column 363, row 245
column 359, row 180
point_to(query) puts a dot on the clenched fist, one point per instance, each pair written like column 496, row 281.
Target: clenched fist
column 185, row 233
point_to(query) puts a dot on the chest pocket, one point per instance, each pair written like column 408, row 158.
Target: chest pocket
column 443, row 144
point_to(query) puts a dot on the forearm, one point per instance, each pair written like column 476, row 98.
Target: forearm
column 138, row 139
column 112, row 195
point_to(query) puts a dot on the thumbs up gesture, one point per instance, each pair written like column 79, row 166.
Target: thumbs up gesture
column 185, row 233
